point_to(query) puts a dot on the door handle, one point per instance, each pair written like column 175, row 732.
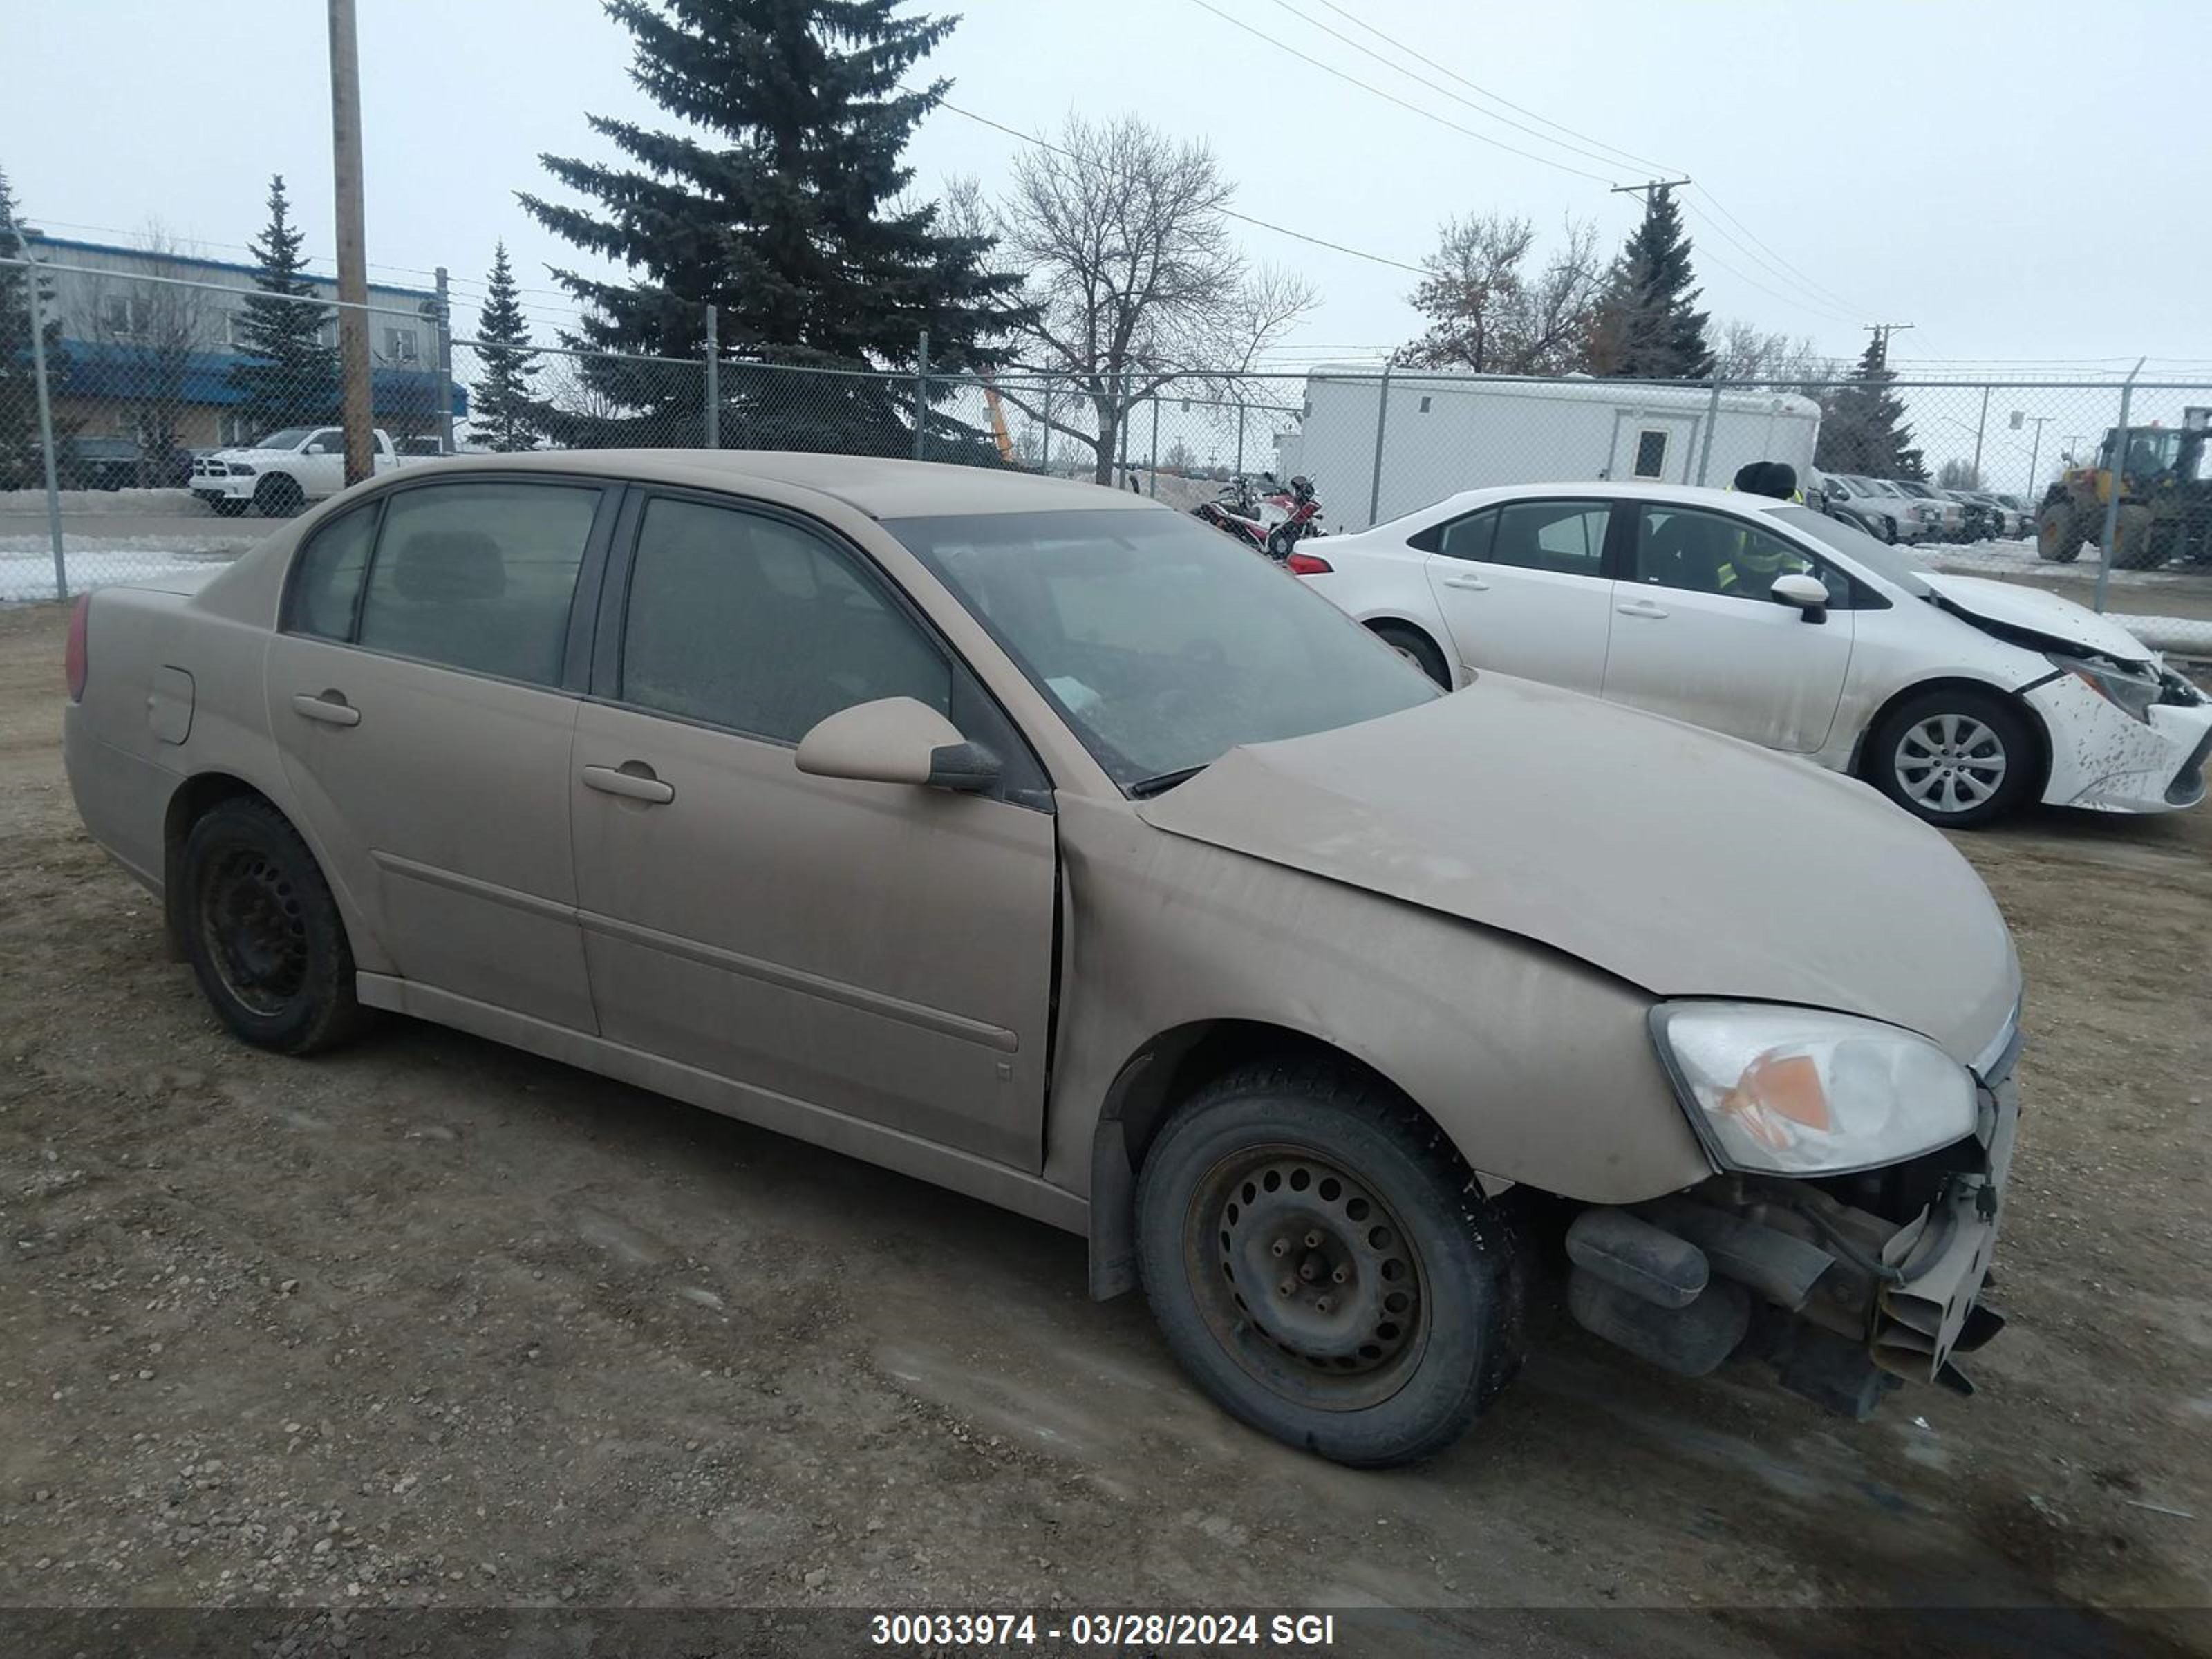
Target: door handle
column 1475, row 583
column 632, row 780
column 330, row 708
column 1641, row 608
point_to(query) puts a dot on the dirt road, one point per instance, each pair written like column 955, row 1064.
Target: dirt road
column 433, row 1323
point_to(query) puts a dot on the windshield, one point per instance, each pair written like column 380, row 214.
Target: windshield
column 1164, row 643
column 2150, row 449
column 1893, row 564
column 1875, row 486
column 290, row 437
column 1912, row 489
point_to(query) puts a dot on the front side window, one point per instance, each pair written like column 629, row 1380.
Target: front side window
column 1567, row 538
column 1700, row 552
column 746, row 621
column 479, row 576
column 1162, row 643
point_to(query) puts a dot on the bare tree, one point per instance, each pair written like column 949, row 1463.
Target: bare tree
column 148, row 328
column 1135, row 278
column 1488, row 312
column 1956, row 474
column 1748, row 352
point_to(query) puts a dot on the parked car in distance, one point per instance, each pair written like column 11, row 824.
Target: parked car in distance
column 88, row 462
column 1949, row 517
column 1958, row 697
column 1877, row 515
column 284, row 471
column 1981, row 519
column 840, row 795
column 1918, row 520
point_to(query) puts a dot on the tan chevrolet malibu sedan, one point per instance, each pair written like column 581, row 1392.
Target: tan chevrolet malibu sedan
column 1045, row 844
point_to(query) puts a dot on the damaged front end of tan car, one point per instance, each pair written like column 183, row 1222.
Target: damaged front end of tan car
column 1850, row 1281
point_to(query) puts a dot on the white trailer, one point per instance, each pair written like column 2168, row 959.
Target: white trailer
column 1377, row 446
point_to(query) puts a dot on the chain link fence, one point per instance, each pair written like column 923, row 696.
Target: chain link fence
column 170, row 426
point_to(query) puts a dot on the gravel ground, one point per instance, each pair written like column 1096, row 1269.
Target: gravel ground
column 433, row 1324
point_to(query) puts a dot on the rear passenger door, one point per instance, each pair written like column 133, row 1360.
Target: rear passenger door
column 422, row 690
column 883, row 951
column 1524, row 589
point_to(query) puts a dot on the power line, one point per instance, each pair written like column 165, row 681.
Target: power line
column 1810, row 300
column 1226, row 213
column 1799, row 276
column 1488, row 115
column 1330, row 69
column 1640, row 161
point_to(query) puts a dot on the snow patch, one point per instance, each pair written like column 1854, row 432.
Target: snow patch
column 27, row 562
column 99, row 500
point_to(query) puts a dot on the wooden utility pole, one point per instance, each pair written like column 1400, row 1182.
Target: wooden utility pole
column 1881, row 331
column 1644, row 191
column 359, row 409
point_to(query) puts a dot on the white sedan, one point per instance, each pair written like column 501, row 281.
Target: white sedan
column 1958, row 697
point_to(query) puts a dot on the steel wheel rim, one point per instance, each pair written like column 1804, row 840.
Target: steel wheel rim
column 1307, row 1278
column 255, row 930
column 1950, row 763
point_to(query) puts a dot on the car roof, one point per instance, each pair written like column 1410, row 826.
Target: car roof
column 879, row 486
column 1637, row 490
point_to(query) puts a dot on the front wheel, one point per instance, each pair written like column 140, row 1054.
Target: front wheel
column 1954, row 756
column 278, row 496
column 2058, row 536
column 2134, row 545
column 1322, row 1263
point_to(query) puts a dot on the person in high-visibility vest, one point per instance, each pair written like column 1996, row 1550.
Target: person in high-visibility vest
column 1755, row 559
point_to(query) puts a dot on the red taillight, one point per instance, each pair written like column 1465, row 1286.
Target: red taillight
column 1308, row 564
column 73, row 659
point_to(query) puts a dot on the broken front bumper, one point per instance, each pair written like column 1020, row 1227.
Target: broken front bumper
column 1848, row 1284
column 2107, row 761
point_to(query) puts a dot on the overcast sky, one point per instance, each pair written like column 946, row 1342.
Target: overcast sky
column 1933, row 163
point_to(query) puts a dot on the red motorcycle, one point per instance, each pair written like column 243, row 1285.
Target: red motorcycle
column 1273, row 525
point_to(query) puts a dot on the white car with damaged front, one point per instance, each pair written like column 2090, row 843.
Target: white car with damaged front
column 1960, row 697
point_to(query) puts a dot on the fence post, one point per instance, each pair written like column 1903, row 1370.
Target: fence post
column 1712, row 419
column 714, row 379
column 45, row 411
column 1154, row 490
column 1382, row 422
column 2119, row 470
column 1044, row 460
column 445, row 363
column 1240, row 437
column 1981, row 427
column 921, row 395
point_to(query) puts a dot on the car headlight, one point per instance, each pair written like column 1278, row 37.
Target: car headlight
column 2131, row 693
column 239, row 470
column 1796, row 1091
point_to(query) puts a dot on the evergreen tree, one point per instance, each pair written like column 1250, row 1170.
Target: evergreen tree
column 22, row 465
column 505, row 409
column 287, row 376
column 1648, row 326
column 787, row 217
column 1863, row 428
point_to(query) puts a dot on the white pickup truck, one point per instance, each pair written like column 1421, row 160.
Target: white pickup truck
column 285, row 471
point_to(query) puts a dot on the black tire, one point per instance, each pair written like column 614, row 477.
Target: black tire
column 228, row 506
column 262, row 931
column 2135, row 546
column 279, row 496
column 1406, row 1315
column 1986, row 760
column 2058, row 534
column 1416, row 647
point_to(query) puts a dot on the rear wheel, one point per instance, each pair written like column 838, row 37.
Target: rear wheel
column 262, row 933
column 1417, row 648
column 2134, row 546
column 1954, row 756
column 2058, row 535
column 1322, row 1263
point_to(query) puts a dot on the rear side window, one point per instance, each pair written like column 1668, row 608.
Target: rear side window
column 1461, row 538
column 1567, row 538
column 479, row 576
column 326, row 581
column 746, row 620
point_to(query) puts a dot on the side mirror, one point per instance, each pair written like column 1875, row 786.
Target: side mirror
column 896, row 740
column 1808, row 593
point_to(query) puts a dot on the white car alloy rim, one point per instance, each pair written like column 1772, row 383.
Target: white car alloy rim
column 1950, row 763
